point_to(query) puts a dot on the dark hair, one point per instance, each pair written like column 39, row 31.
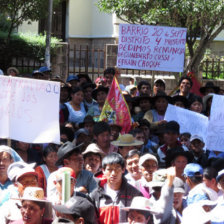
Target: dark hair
column 143, row 83
column 109, row 70
column 136, row 131
column 197, row 178
column 131, row 153
column 76, row 89
column 195, row 99
column 49, row 148
column 210, row 173
column 144, row 122
column 145, row 213
column 185, row 134
column 68, row 132
column 39, row 203
column 100, row 127
column 113, row 158
column 91, row 153
column 186, row 77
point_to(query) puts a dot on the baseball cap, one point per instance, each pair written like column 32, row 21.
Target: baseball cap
column 160, row 80
column 146, row 157
column 178, row 186
column 193, row 169
column 194, row 137
column 72, row 77
column 44, row 69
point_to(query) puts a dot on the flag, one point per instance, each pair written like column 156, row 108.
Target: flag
column 196, row 84
column 115, row 109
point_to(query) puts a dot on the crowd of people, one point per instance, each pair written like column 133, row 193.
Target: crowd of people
column 152, row 175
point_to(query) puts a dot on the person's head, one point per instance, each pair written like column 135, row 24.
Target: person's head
column 148, row 164
column 84, row 79
column 82, row 137
column 33, row 205
column 209, row 88
column 161, row 101
column 115, row 131
column 185, row 139
column 22, row 146
column 180, row 101
column 100, row 94
column 145, row 102
column 178, row 191
column 66, row 134
column 220, row 179
column 113, row 166
column 126, row 143
column 73, row 80
column 46, row 71
column 12, row 71
column 77, row 96
column 144, row 87
column 209, row 177
column 88, row 124
column 5, row 159
column 144, row 125
column 132, row 164
column 36, row 74
column 101, row 133
column 185, row 85
column 171, row 132
column 65, row 93
column 193, row 174
column 100, row 81
column 109, row 75
column 88, row 89
column 139, row 135
column 197, row 144
column 196, row 104
column 159, row 85
column 50, row 155
column 92, row 158
column 59, row 175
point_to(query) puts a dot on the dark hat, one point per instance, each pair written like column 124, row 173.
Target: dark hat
column 99, row 89
column 172, row 126
column 137, row 99
column 37, row 72
column 209, row 85
column 65, row 150
column 175, row 152
column 128, row 98
column 182, row 99
column 161, row 94
column 87, row 85
column 78, row 207
column 72, row 77
column 84, row 76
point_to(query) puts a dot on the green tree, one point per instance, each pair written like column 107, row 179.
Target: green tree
column 204, row 19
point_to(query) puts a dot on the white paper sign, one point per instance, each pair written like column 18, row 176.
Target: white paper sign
column 29, row 110
column 189, row 121
column 157, row 48
column 215, row 135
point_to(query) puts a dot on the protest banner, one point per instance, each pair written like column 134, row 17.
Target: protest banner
column 189, row 121
column 156, row 48
column 115, row 109
column 29, row 110
column 215, row 135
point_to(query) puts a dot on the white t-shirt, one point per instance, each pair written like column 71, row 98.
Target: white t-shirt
column 110, row 192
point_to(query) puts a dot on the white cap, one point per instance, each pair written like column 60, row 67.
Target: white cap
column 93, row 148
column 5, row 148
column 146, row 157
column 194, row 137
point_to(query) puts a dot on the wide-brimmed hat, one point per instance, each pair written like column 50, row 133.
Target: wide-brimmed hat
column 161, row 94
column 209, row 85
column 64, row 150
column 99, row 89
column 175, row 152
column 127, row 140
column 137, row 99
column 33, row 194
column 182, row 99
column 85, row 76
column 19, row 169
column 14, row 69
column 140, row 203
column 93, row 148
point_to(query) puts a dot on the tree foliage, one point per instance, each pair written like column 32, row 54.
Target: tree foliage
column 204, row 19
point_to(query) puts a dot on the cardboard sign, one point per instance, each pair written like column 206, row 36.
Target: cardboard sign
column 189, row 121
column 155, row 48
column 215, row 135
column 29, row 110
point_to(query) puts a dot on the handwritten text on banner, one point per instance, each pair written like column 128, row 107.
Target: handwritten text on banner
column 29, row 110
column 215, row 136
column 189, row 121
column 151, row 47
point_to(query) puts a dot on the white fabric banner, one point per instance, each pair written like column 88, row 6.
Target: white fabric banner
column 29, row 110
column 215, row 135
column 189, row 121
column 156, row 48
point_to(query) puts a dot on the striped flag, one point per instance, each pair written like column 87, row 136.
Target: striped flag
column 115, row 109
